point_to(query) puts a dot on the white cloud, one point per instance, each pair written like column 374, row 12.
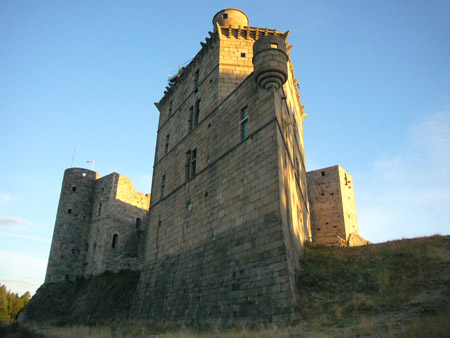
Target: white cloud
column 408, row 194
column 13, row 223
column 26, row 237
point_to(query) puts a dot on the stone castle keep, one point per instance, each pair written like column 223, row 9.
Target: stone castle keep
column 231, row 202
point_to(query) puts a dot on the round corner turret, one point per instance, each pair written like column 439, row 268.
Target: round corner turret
column 230, row 17
column 270, row 62
column 81, row 172
column 69, row 243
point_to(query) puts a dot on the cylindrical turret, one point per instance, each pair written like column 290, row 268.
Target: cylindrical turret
column 230, row 17
column 69, row 244
column 270, row 62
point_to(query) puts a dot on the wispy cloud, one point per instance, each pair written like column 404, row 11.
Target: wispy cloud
column 408, row 194
column 26, row 237
column 5, row 197
column 8, row 223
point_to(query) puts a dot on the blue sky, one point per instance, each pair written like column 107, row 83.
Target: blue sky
column 374, row 78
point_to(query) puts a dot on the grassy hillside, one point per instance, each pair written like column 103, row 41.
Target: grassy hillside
column 380, row 287
column 393, row 289
column 104, row 297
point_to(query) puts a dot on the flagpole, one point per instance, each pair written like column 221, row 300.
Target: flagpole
column 93, row 164
column 73, row 156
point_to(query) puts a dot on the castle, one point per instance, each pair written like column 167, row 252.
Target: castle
column 231, row 202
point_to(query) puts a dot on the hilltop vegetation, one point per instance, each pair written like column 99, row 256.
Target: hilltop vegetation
column 394, row 286
column 394, row 289
column 11, row 304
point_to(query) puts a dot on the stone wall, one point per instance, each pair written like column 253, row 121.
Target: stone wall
column 332, row 205
column 116, row 225
column 219, row 246
column 95, row 214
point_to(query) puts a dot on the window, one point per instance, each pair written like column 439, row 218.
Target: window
column 274, row 45
column 297, row 170
column 191, row 162
column 163, row 185
column 63, row 245
column 69, row 211
column 95, row 246
column 191, row 116
column 170, row 107
column 196, row 80
column 84, row 174
column 242, row 55
column 115, row 241
column 167, row 143
column 99, row 209
column 74, row 189
column 244, row 123
column 323, row 173
column 196, row 114
column 188, row 206
column 138, row 223
column 225, row 16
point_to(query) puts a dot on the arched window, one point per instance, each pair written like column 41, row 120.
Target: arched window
column 115, row 241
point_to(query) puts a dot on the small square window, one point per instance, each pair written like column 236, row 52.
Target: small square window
column 274, row 45
column 242, row 55
column 69, row 211
column 84, row 174
column 323, row 173
column 225, row 16
column 74, row 188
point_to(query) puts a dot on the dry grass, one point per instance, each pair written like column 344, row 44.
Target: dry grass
column 395, row 289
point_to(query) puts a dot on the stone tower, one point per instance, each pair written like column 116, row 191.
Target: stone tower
column 98, row 226
column 229, row 210
column 70, row 235
column 333, row 208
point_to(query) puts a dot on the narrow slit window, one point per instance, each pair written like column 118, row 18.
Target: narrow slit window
column 167, row 143
column 191, row 116
column 138, row 223
column 323, row 173
column 197, row 80
column 99, row 209
column 191, row 163
column 115, row 241
column 196, row 114
column 244, row 123
column 163, row 185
